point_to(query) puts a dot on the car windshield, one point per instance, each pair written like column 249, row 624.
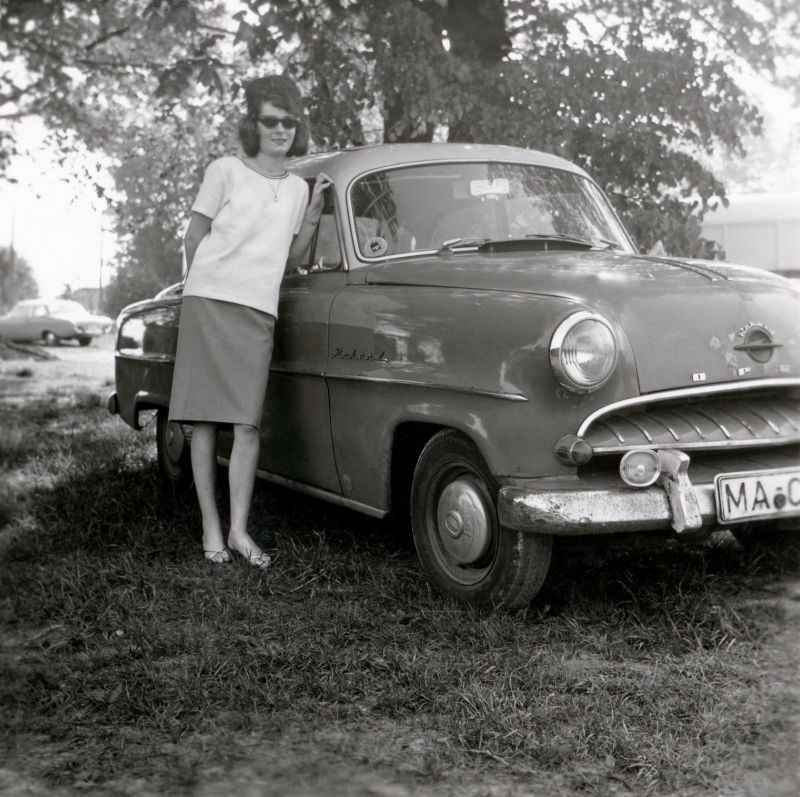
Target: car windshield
column 423, row 208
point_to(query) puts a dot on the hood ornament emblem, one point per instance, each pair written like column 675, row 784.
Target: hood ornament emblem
column 757, row 342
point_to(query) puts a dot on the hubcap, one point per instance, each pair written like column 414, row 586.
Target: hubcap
column 463, row 522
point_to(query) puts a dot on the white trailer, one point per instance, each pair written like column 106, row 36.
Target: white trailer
column 759, row 230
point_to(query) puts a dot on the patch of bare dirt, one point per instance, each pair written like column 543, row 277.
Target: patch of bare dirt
column 28, row 371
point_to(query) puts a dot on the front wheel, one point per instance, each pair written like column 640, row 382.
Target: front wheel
column 462, row 547
column 85, row 340
column 174, row 458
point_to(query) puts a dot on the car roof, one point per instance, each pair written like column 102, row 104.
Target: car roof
column 346, row 164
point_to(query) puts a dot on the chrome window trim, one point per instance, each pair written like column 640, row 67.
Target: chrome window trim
column 691, row 392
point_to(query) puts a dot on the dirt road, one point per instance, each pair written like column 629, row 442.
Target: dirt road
column 70, row 369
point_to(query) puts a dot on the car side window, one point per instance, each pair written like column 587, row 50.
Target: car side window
column 39, row 311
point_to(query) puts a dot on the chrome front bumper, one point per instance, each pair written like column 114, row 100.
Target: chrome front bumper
column 602, row 511
column 672, row 502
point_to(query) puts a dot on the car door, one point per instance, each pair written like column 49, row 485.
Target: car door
column 296, row 439
column 31, row 323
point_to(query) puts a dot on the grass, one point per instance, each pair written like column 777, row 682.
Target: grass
column 130, row 666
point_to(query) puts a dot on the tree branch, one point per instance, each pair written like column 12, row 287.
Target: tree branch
column 110, row 35
column 215, row 29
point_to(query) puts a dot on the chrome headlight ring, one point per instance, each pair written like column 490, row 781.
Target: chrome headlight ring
column 583, row 352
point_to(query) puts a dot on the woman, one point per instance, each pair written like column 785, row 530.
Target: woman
column 250, row 216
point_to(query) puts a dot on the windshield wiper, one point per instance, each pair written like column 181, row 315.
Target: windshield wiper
column 454, row 244
column 475, row 243
column 593, row 243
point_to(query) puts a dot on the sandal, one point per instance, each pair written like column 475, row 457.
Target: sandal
column 249, row 551
column 257, row 559
column 220, row 557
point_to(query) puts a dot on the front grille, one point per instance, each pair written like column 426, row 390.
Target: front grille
column 711, row 423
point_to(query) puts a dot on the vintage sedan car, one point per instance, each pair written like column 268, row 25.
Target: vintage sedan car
column 475, row 341
column 51, row 321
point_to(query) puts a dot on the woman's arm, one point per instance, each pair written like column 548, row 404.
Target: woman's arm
column 302, row 241
column 199, row 227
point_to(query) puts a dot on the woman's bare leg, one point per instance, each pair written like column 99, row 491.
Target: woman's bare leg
column 241, row 476
column 204, row 469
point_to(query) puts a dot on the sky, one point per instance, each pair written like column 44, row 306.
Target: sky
column 61, row 229
column 55, row 223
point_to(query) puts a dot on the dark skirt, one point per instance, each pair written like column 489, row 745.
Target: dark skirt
column 221, row 363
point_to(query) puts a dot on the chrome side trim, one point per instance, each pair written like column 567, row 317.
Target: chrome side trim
column 470, row 391
column 316, row 492
column 156, row 358
column 385, row 380
column 691, row 392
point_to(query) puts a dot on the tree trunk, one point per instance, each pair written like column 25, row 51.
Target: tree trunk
column 476, row 30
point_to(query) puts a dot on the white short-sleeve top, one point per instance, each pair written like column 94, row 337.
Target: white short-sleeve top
column 253, row 222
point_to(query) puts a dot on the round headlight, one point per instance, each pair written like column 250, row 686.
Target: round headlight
column 583, row 352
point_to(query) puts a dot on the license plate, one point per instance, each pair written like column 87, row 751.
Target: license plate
column 755, row 495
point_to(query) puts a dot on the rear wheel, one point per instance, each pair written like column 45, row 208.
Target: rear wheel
column 462, row 547
column 174, row 458
column 49, row 338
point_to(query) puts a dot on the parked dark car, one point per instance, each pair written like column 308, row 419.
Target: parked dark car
column 51, row 321
column 476, row 341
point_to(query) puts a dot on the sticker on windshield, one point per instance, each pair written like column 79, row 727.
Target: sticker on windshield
column 497, row 187
column 377, row 246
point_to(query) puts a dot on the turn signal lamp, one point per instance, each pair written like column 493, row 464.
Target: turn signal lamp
column 640, row 467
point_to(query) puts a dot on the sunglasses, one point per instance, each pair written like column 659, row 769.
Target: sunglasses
column 271, row 122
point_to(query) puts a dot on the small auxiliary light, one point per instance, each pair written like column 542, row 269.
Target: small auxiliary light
column 640, row 467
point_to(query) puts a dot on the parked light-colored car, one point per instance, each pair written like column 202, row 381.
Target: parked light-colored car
column 51, row 321
column 476, row 342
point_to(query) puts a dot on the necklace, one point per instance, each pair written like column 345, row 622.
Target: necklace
column 273, row 190
column 269, row 178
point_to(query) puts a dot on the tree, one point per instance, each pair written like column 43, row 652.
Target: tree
column 16, row 279
column 137, row 82
column 637, row 92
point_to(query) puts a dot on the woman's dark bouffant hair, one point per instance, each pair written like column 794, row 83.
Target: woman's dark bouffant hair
column 282, row 93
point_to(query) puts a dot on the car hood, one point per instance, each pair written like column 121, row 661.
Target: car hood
column 682, row 318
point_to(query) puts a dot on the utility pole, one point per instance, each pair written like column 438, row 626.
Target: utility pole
column 100, row 278
column 12, row 257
